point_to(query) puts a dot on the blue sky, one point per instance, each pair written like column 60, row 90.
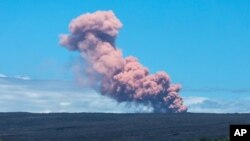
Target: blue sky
column 204, row 45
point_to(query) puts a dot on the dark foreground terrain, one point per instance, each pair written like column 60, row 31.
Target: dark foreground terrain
column 116, row 127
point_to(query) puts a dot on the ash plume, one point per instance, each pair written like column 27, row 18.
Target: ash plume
column 123, row 79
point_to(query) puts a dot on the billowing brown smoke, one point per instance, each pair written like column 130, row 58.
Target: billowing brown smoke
column 124, row 79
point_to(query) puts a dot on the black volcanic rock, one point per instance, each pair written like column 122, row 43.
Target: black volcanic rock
column 115, row 127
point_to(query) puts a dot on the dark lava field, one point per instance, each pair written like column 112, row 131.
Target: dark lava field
column 116, row 127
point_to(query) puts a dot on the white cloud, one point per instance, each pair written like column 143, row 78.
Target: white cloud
column 2, row 76
column 64, row 103
column 65, row 96
column 16, row 77
column 208, row 105
column 194, row 100
column 22, row 77
column 54, row 96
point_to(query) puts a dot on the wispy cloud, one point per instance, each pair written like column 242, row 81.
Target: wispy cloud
column 194, row 100
column 55, row 96
column 3, row 76
column 17, row 94
column 22, row 77
column 209, row 90
column 217, row 100
column 15, row 77
column 208, row 105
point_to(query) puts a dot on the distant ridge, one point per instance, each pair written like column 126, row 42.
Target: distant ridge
column 24, row 126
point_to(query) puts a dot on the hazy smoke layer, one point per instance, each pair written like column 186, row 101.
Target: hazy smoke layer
column 124, row 79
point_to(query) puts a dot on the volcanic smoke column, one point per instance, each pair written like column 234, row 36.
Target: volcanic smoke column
column 123, row 79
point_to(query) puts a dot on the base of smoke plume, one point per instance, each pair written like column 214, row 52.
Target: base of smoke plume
column 138, row 108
